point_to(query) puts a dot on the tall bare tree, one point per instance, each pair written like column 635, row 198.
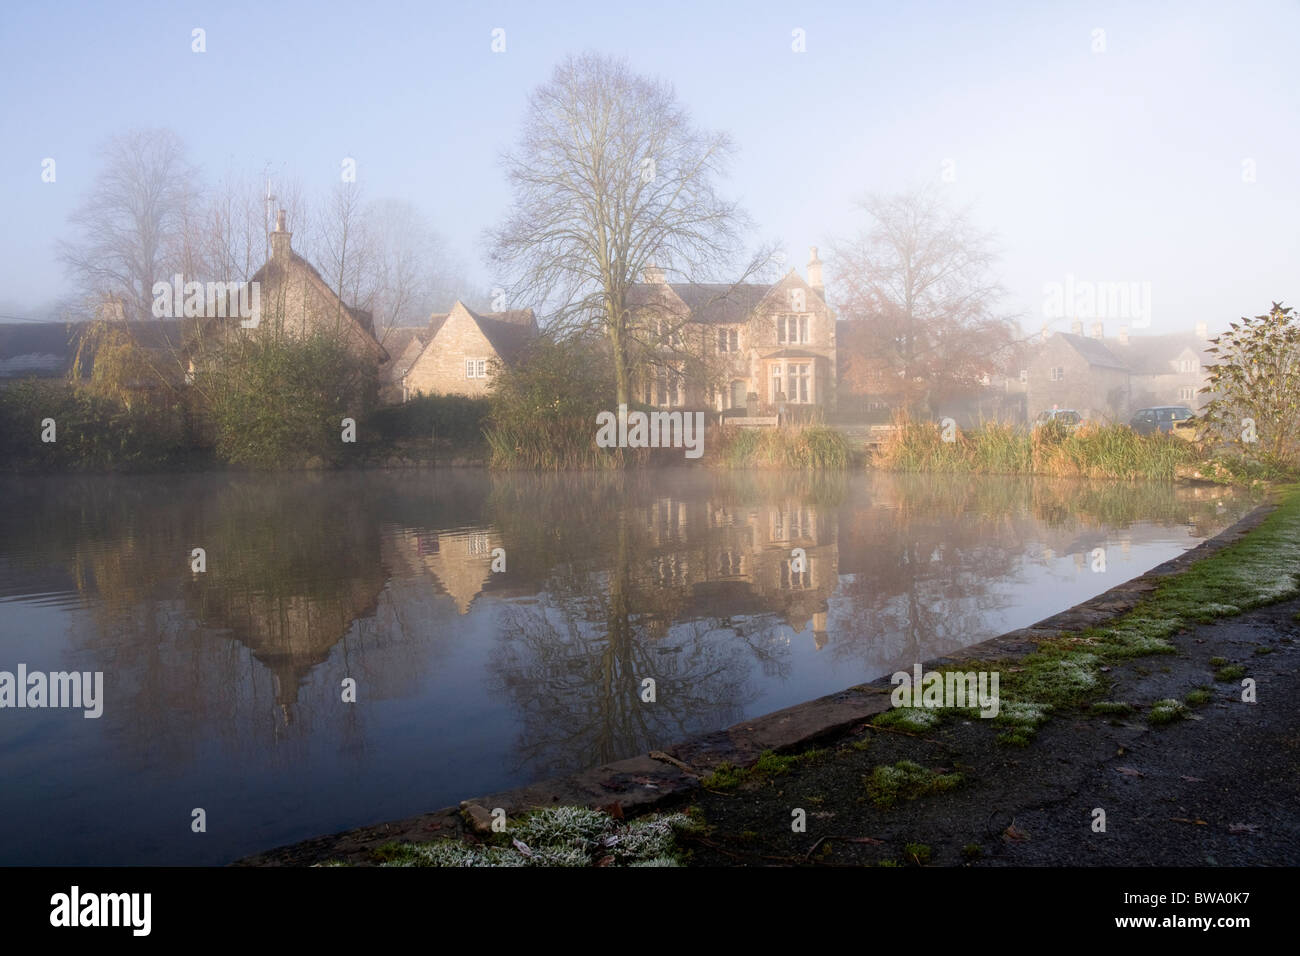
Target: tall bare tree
column 134, row 227
column 610, row 176
column 918, row 298
column 344, row 247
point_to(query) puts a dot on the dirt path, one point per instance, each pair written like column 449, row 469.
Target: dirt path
column 1219, row 787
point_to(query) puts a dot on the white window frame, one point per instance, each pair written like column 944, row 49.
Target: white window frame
column 1057, row 373
column 475, row 368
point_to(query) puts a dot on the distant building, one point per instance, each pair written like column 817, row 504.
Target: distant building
column 456, row 351
column 738, row 347
column 1106, row 378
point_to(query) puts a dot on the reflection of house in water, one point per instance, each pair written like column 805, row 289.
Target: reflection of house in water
column 727, row 560
column 459, row 562
column 291, row 634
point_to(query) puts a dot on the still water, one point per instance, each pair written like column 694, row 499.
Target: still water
column 497, row 627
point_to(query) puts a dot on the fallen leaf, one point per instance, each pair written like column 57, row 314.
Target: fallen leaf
column 1018, row 836
column 1192, row 779
column 522, row 847
column 1199, row 823
column 1129, row 772
column 1243, row 827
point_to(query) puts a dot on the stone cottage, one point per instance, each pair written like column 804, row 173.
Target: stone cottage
column 459, row 349
column 744, row 347
column 296, row 301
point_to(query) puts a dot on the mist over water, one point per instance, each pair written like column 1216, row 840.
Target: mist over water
column 223, row 689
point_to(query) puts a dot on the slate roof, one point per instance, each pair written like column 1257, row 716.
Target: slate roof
column 1151, row 354
column 719, row 303
column 37, row 349
column 508, row 336
column 1094, row 352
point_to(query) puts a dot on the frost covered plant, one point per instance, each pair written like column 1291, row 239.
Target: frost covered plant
column 556, row 836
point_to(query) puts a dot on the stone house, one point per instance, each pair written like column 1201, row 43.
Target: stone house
column 1106, row 379
column 743, row 347
column 296, row 301
column 1166, row 369
column 1073, row 371
column 461, row 348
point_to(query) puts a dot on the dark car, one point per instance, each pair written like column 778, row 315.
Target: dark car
column 1164, row 418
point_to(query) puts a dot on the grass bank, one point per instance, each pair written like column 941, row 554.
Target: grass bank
column 1090, row 451
column 802, row 447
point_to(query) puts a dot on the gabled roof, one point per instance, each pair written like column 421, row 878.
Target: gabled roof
column 1151, row 354
column 720, row 303
column 507, row 332
column 1093, row 351
column 273, row 270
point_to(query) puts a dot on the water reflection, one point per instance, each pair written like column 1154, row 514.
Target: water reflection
column 499, row 628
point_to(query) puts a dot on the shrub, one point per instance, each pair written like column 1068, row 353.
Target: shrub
column 275, row 402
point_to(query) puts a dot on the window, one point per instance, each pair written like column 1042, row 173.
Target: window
column 1186, row 365
column 668, row 333
column 476, row 368
column 797, row 380
column 728, row 340
column 1024, row 376
column 792, row 329
column 1187, row 393
column 1058, row 374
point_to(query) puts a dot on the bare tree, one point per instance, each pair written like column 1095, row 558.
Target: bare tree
column 343, row 247
column 135, row 227
column 408, row 263
column 918, row 298
column 610, row 177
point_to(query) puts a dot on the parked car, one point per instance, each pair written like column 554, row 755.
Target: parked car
column 1067, row 416
column 1164, row 418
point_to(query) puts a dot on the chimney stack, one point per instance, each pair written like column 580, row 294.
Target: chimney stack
column 1097, row 330
column 280, row 239
column 1044, row 334
column 652, row 273
column 1076, row 327
column 815, row 273
column 1123, row 335
column 1202, row 331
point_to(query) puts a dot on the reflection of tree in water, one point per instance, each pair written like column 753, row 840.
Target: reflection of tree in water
column 618, row 609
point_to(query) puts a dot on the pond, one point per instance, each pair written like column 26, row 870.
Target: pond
column 492, row 629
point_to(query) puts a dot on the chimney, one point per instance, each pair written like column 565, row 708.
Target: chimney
column 280, row 239
column 1097, row 330
column 652, row 273
column 1076, row 327
column 815, row 273
column 1202, row 331
column 1044, row 334
column 1123, row 335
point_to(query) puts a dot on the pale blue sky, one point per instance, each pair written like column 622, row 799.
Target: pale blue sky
column 1122, row 165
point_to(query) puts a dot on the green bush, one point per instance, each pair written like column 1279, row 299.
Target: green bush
column 459, row 419
column 92, row 432
column 280, row 402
